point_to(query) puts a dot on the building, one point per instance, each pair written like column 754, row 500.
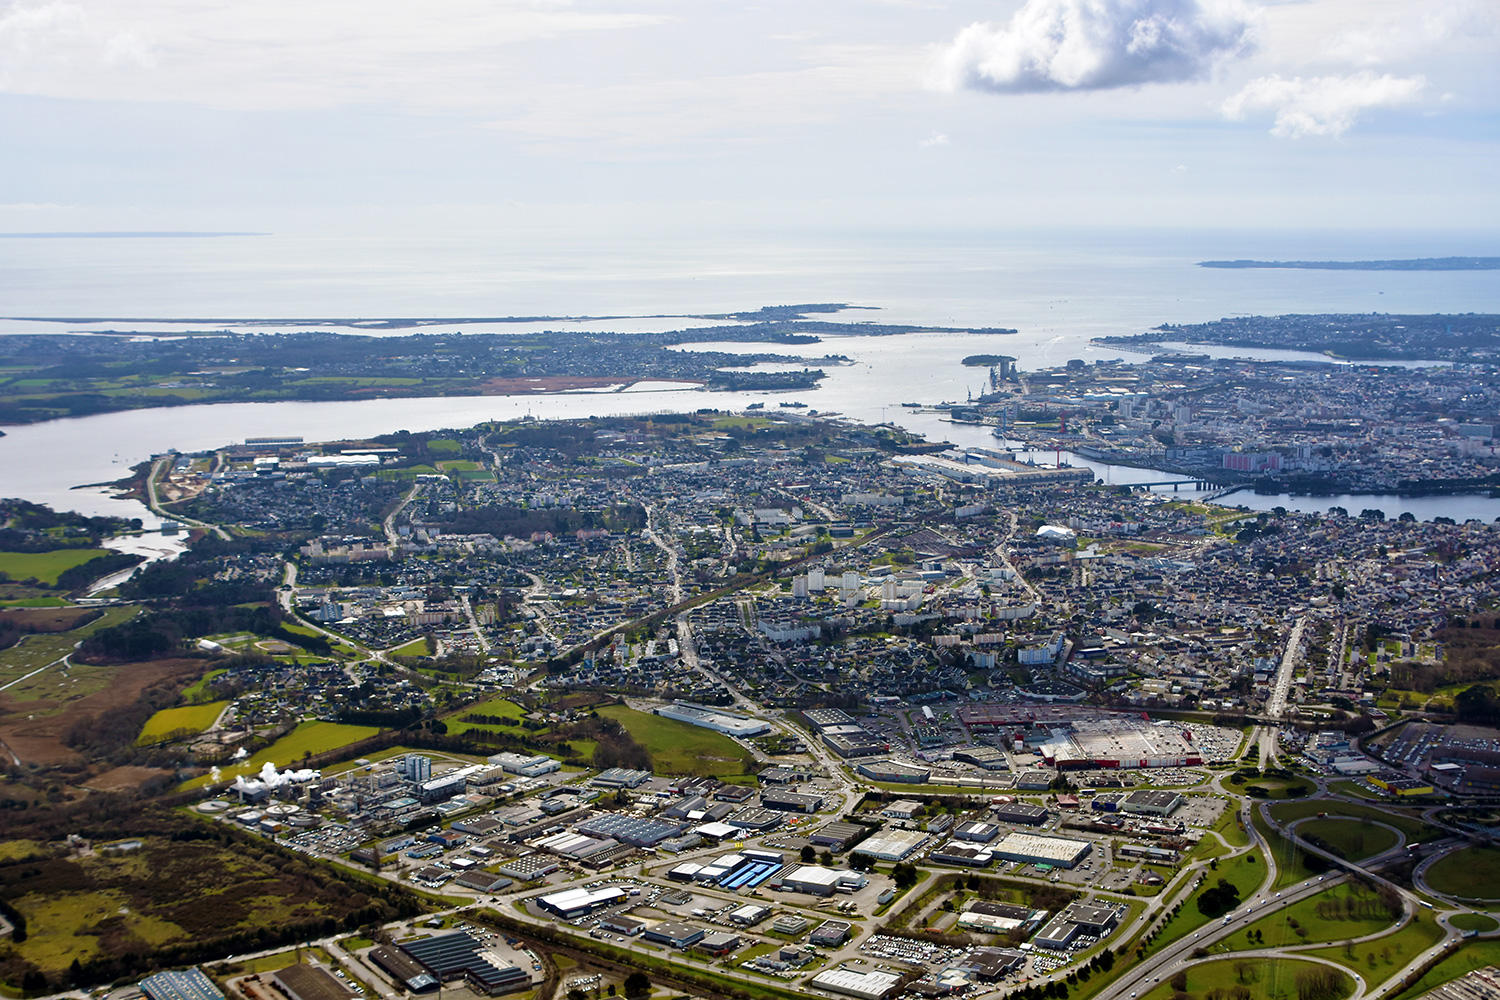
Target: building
column 1019, row 812
column 416, row 767
column 718, row 942
column 893, row 771
column 750, row 915
column 958, row 853
column 1151, row 802
column 628, row 926
column 573, row 903
column 988, row 758
column 526, row 767
column 528, row 868
column 403, row 968
column 720, row 721
column 831, row 933
column 674, row 934
column 791, row 801
column 189, row 984
column 1401, row 784
column 620, row 777
column 891, row 845
column 864, row 985
column 981, row 833
column 838, row 836
column 998, row 918
column 459, row 956
column 1033, row 849
column 989, row 964
column 791, row 923
column 816, row 880
column 306, row 982
column 903, row 809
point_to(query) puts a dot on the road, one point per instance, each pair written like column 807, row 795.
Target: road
column 157, row 509
column 1276, row 703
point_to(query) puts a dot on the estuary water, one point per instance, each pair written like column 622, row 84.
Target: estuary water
column 1058, row 289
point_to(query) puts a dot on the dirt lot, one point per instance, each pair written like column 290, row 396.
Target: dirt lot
column 121, row 779
column 37, row 730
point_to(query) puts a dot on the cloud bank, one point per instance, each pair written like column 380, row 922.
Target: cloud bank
column 1059, row 45
column 1322, row 105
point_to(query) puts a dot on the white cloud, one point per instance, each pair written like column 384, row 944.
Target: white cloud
column 1096, row 45
column 935, row 139
column 1415, row 32
column 129, row 49
column 1322, row 105
column 28, row 33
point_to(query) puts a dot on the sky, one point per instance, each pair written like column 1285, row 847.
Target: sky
column 277, row 114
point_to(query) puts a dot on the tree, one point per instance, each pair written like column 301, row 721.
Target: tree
column 637, row 985
column 808, row 854
column 1179, row 981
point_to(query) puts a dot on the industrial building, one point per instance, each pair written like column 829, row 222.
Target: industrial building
column 958, row 853
column 718, row 942
column 459, row 956
column 871, row 985
column 620, row 777
column 838, row 836
column 632, row 830
column 790, row 923
column 816, row 880
column 892, row 845
column 526, row 767
column 1032, row 849
column 988, row 758
column 189, row 984
column 528, row 868
column 1149, row 802
column 573, row 903
column 998, row 918
column 791, row 801
column 894, row 771
column 1019, row 812
column 831, row 933
column 729, row 723
column 981, row 833
column 673, row 934
column 306, row 982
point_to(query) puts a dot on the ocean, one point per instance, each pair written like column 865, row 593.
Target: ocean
column 1059, row 289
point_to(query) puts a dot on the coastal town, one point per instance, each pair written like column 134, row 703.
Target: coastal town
column 775, row 702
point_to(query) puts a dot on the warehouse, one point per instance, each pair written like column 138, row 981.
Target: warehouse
column 628, row 926
column 892, row 845
column 1032, row 849
column 857, row 744
column 402, row 968
column 190, row 984
column 791, row 801
column 981, row 833
column 573, row 903
column 1057, row 935
column 528, row 868
column 719, row 721
column 838, row 836
column 306, row 982
column 831, row 933
column 750, row 915
column 894, row 771
column 632, row 830
column 999, row 918
column 527, row 767
column 1020, row 812
column 957, row 853
column 459, row 956
column 988, row 758
column 816, row 880
column 677, row 935
column 865, row 985
column 1151, row 803
column 719, row 942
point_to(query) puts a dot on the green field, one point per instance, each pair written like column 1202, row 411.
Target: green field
column 46, row 566
column 1266, row 978
column 1245, row 873
column 1471, row 872
column 35, row 651
column 680, row 748
column 1470, row 956
column 1474, row 922
column 1318, row 918
column 1382, row 958
column 187, row 719
column 501, row 707
column 1408, row 824
column 198, row 690
column 1355, row 839
column 307, row 738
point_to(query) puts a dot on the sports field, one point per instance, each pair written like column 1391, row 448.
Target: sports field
column 170, row 722
column 679, row 748
column 45, row 566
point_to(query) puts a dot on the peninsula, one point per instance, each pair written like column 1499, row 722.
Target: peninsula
column 1415, row 264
